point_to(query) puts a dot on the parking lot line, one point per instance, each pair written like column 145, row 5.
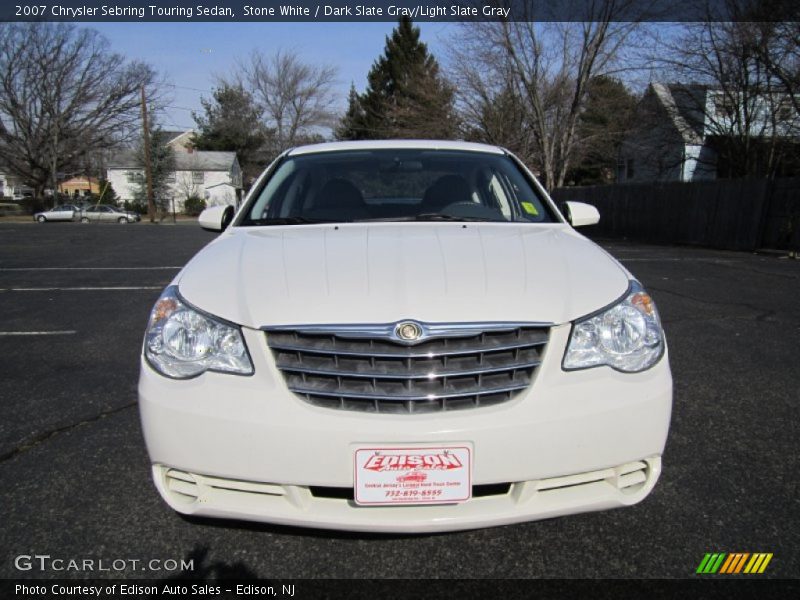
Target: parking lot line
column 19, row 269
column 84, row 289
column 18, row 333
column 673, row 259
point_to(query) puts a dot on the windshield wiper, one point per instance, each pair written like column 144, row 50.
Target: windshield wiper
column 445, row 217
column 427, row 217
column 287, row 221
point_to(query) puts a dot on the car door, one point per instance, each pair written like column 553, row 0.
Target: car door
column 62, row 213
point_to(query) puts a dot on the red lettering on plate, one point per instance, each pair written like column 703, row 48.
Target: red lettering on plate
column 378, row 462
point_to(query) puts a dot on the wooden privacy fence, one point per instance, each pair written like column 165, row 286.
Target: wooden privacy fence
column 736, row 214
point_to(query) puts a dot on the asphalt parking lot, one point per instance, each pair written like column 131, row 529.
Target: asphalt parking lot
column 74, row 300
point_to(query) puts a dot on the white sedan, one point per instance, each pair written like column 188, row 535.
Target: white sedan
column 403, row 336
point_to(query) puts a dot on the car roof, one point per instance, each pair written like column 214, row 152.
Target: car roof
column 396, row 145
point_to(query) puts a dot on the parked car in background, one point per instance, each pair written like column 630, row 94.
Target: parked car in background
column 10, row 209
column 108, row 214
column 18, row 196
column 392, row 309
column 65, row 212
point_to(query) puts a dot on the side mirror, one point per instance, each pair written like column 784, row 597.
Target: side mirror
column 216, row 218
column 579, row 214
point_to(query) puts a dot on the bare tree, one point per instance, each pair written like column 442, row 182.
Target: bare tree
column 543, row 70
column 777, row 46
column 747, row 72
column 63, row 96
column 297, row 98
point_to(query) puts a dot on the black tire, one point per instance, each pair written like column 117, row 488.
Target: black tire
column 41, row 219
column 84, row 219
column 123, row 220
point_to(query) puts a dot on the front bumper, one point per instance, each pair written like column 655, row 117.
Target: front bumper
column 245, row 447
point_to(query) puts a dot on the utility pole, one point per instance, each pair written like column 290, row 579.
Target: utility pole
column 148, row 175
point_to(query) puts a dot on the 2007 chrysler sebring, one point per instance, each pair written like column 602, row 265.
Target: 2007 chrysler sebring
column 403, row 336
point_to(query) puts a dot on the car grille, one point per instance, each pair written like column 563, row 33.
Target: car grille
column 488, row 365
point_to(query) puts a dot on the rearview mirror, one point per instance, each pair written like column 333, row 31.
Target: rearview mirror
column 216, row 218
column 579, row 214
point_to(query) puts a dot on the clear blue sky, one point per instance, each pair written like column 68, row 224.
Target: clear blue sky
column 191, row 54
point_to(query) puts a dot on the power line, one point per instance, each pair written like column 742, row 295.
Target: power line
column 183, row 87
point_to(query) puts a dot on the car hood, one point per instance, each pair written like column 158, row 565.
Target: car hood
column 385, row 272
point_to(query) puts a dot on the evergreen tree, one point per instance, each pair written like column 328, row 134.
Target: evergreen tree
column 406, row 95
column 232, row 122
column 602, row 127
column 353, row 120
column 108, row 194
column 162, row 166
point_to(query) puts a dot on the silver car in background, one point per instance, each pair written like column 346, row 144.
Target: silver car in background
column 65, row 212
column 108, row 214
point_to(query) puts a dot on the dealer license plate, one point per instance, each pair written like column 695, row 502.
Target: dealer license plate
column 413, row 475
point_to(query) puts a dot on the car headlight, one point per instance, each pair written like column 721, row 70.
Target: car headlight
column 626, row 337
column 182, row 342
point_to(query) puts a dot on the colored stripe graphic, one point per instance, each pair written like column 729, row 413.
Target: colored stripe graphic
column 711, row 563
column 734, row 563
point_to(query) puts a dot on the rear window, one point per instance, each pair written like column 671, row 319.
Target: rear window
column 364, row 185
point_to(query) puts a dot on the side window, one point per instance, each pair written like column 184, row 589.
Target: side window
column 276, row 188
column 500, row 191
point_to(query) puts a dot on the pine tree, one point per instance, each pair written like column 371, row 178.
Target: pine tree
column 162, row 166
column 602, row 127
column 406, row 95
column 350, row 126
column 232, row 122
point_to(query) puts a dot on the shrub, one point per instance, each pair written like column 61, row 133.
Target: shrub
column 135, row 206
column 194, row 206
column 32, row 205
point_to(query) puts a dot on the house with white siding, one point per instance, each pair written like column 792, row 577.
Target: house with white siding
column 213, row 176
column 12, row 186
column 677, row 126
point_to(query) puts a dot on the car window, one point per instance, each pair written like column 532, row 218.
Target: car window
column 364, row 185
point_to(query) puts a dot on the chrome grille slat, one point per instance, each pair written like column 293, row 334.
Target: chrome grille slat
column 400, row 351
column 406, row 398
column 409, row 375
column 354, row 371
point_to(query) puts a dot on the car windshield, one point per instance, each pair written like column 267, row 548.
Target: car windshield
column 396, row 185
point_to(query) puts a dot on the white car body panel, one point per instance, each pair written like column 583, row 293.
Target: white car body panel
column 245, row 429
column 395, row 145
column 383, row 272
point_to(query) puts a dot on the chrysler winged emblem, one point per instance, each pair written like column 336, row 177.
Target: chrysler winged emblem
column 408, row 331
